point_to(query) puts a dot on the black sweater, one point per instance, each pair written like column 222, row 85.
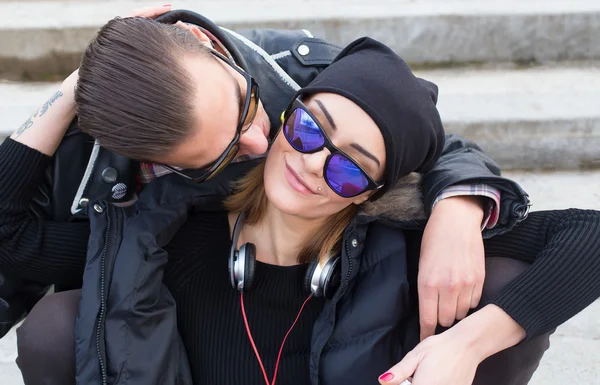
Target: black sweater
column 209, row 315
column 563, row 246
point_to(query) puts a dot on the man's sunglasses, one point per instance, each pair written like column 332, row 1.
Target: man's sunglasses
column 246, row 119
column 342, row 174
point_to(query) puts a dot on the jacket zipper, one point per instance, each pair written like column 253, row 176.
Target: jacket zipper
column 343, row 286
column 347, row 279
column 104, row 264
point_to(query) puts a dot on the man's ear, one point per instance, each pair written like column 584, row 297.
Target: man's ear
column 200, row 35
column 204, row 39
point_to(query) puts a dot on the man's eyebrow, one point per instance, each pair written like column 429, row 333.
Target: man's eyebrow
column 366, row 153
column 326, row 113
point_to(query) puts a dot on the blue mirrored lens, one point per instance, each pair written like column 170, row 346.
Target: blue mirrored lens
column 344, row 176
column 302, row 132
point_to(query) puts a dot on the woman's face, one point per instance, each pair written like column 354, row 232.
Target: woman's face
column 294, row 181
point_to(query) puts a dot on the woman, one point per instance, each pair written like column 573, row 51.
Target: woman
column 146, row 202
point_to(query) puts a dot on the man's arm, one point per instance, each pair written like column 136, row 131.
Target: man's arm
column 464, row 163
column 464, row 194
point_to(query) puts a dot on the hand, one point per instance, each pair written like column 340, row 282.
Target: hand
column 452, row 263
column 453, row 356
column 437, row 360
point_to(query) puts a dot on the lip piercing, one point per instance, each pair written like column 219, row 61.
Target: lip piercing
column 319, row 189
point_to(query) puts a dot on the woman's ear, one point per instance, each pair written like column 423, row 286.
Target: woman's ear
column 362, row 198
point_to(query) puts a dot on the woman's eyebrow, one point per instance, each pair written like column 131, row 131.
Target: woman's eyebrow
column 355, row 145
column 326, row 113
column 366, row 153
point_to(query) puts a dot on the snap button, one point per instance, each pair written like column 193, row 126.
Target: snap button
column 83, row 202
column 354, row 242
column 119, row 191
column 98, row 208
column 303, row 50
column 109, row 175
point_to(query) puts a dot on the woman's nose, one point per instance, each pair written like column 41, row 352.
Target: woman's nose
column 315, row 162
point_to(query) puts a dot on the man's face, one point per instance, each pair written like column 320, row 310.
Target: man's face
column 219, row 99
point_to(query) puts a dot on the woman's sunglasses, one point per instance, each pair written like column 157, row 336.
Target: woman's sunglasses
column 246, row 118
column 342, row 174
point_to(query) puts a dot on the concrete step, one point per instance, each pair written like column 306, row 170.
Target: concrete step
column 533, row 118
column 38, row 38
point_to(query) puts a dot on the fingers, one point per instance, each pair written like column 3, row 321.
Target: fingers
column 151, row 12
column 428, row 310
column 463, row 303
column 447, row 309
column 476, row 294
column 401, row 371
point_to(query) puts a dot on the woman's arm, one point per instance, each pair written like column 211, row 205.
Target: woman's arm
column 452, row 357
column 564, row 278
column 30, row 246
column 44, row 130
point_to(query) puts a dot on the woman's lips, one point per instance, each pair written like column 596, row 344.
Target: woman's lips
column 296, row 182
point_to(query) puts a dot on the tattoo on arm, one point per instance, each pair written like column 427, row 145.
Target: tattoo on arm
column 40, row 113
column 48, row 104
column 24, row 127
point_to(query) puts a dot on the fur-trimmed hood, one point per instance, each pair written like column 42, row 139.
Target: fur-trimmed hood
column 402, row 203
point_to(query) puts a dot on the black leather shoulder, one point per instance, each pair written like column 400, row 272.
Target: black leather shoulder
column 297, row 52
column 82, row 172
column 310, row 51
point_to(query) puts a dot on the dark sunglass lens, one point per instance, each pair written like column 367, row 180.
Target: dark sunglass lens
column 252, row 108
column 344, row 176
column 302, row 132
column 226, row 161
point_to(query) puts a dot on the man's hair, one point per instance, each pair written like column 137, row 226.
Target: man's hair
column 134, row 95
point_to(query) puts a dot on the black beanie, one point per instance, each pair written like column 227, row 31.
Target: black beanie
column 403, row 106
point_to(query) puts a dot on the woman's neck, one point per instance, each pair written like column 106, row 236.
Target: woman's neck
column 279, row 238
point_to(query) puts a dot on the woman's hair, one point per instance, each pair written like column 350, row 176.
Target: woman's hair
column 250, row 198
column 133, row 94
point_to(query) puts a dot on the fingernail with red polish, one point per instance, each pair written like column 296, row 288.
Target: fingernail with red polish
column 386, row 377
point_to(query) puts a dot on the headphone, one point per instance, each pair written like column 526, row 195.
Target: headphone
column 320, row 280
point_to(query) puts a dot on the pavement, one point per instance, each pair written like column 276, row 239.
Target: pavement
column 573, row 357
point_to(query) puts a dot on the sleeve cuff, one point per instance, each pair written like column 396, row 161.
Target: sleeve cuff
column 492, row 210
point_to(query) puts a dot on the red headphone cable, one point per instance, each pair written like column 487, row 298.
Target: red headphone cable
column 262, row 367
